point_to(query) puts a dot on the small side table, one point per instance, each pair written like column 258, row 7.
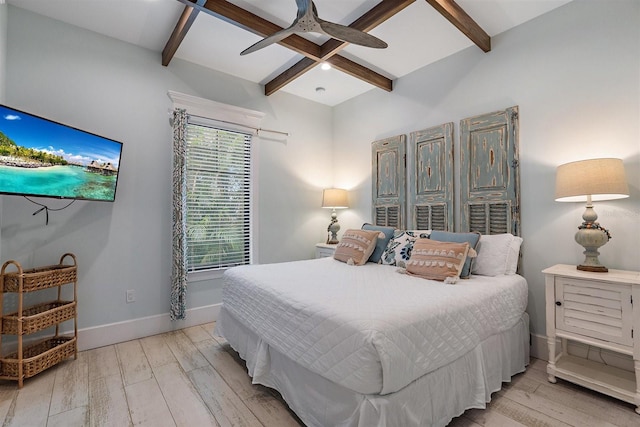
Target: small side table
column 600, row 310
column 325, row 250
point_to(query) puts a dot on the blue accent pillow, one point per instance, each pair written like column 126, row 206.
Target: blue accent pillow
column 472, row 238
column 381, row 243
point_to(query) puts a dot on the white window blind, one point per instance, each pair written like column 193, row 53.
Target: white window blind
column 218, row 197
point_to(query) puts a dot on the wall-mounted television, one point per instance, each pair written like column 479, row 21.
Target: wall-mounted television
column 40, row 157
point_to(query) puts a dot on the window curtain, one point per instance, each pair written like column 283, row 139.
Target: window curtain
column 179, row 264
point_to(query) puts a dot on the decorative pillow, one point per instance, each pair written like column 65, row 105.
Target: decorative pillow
column 398, row 249
column 431, row 259
column 497, row 255
column 381, row 243
column 471, row 238
column 514, row 255
column 356, row 246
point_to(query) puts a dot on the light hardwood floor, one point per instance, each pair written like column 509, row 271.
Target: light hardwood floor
column 193, row 378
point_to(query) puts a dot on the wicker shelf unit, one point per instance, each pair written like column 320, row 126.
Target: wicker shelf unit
column 35, row 357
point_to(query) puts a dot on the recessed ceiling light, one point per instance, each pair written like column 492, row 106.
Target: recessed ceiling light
column 325, row 66
column 320, row 89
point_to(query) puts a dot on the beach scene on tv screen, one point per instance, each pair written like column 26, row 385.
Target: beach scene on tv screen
column 43, row 158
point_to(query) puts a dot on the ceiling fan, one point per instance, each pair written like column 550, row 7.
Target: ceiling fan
column 307, row 21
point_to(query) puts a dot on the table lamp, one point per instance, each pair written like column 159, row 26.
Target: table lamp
column 588, row 181
column 334, row 198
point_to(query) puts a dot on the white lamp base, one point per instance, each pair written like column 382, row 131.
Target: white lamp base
column 333, row 228
column 591, row 236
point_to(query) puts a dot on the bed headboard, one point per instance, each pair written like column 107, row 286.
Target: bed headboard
column 488, row 187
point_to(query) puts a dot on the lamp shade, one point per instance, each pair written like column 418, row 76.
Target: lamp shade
column 602, row 179
column 335, row 198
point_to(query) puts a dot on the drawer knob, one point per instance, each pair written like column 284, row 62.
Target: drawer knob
column 558, row 303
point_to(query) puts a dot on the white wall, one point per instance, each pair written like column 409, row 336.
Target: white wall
column 574, row 73
column 119, row 91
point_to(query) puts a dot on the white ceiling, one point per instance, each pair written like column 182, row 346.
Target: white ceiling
column 417, row 36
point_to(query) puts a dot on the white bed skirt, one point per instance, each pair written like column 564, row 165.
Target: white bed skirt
column 432, row 400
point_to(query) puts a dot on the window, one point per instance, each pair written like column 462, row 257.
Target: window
column 218, row 163
column 213, row 201
column 212, row 192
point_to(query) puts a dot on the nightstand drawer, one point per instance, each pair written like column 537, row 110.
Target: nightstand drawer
column 594, row 309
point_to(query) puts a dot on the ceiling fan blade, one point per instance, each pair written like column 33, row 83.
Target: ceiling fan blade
column 303, row 6
column 267, row 41
column 350, row 35
column 307, row 21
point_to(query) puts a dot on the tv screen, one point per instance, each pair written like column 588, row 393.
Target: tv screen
column 39, row 157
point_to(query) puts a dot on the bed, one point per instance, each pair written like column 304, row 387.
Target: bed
column 364, row 346
column 370, row 345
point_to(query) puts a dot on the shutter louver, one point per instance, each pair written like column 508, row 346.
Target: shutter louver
column 499, row 218
column 431, row 217
column 393, row 216
column 387, row 216
column 381, row 216
column 423, row 217
column 490, row 218
column 478, row 218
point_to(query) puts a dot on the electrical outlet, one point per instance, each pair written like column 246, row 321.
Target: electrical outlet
column 131, row 296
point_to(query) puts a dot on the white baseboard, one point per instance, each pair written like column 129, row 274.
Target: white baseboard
column 540, row 350
column 539, row 347
column 113, row 333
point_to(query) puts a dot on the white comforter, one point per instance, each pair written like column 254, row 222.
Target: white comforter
column 369, row 328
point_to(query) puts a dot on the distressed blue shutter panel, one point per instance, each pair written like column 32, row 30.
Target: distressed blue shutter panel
column 389, row 185
column 430, row 172
column 489, row 169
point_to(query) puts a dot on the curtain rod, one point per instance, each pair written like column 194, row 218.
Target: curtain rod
column 258, row 130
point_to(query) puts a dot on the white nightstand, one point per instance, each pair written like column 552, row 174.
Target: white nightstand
column 600, row 310
column 325, row 250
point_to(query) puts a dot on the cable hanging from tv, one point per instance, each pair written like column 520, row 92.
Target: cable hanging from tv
column 46, row 208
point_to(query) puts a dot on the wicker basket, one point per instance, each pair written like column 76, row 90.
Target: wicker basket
column 39, row 317
column 38, row 357
column 39, row 278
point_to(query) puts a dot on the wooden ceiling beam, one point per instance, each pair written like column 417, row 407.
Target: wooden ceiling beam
column 301, row 67
column 458, row 17
column 179, row 32
column 363, row 73
column 339, row 63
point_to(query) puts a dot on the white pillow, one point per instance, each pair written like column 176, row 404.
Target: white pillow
column 514, row 255
column 497, row 255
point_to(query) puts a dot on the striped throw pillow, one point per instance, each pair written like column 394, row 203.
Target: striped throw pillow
column 431, row 259
column 356, row 245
